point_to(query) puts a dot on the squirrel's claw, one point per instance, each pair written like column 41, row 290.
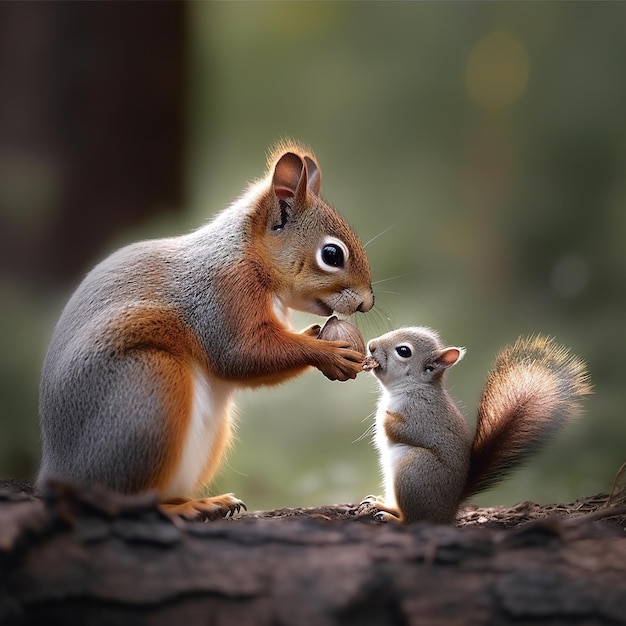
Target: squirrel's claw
column 235, row 507
column 371, row 500
column 381, row 512
column 383, row 516
column 367, row 506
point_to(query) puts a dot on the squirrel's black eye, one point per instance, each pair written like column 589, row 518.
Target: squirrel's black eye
column 429, row 368
column 332, row 255
column 404, row 351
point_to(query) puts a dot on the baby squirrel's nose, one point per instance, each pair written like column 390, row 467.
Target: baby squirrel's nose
column 371, row 346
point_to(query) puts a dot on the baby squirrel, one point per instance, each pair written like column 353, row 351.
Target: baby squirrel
column 429, row 460
column 137, row 385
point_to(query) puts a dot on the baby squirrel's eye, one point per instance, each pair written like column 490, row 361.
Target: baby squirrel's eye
column 332, row 256
column 429, row 368
column 404, row 351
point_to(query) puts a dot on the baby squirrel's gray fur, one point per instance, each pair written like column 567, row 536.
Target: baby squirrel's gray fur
column 428, row 457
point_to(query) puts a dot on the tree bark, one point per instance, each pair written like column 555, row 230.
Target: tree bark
column 89, row 557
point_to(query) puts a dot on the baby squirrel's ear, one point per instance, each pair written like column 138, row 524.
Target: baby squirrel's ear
column 293, row 175
column 449, row 356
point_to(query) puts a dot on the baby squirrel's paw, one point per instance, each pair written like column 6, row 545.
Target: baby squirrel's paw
column 205, row 509
column 371, row 501
column 383, row 516
column 375, row 505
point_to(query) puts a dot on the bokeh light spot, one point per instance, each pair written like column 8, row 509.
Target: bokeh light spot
column 497, row 71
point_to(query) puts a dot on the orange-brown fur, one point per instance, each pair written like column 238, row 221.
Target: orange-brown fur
column 532, row 390
column 276, row 352
column 212, row 508
column 159, row 336
column 395, row 428
column 169, row 349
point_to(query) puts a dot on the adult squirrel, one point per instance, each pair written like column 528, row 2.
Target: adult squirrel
column 429, row 460
column 137, row 386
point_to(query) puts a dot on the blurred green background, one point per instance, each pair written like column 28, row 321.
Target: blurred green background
column 480, row 146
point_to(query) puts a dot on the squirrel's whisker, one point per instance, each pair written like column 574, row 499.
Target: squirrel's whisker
column 375, row 237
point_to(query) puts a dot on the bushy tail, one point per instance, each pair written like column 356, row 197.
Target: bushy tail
column 535, row 387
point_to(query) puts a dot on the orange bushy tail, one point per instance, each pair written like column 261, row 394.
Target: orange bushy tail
column 534, row 389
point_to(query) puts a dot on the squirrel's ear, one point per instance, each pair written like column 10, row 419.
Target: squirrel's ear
column 314, row 175
column 450, row 356
column 288, row 171
column 294, row 175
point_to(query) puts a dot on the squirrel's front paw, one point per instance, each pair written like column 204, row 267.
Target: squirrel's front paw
column 343, row 363
column 312, row 331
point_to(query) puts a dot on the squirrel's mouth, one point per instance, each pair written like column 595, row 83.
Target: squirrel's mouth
column 314, row 306
column 323, row 309
column 346, row 302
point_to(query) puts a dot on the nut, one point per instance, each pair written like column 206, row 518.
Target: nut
column 370, row 363
column 340, row 330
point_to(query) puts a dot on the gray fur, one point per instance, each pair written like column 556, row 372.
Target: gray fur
column 190, row 319
column 95, row 403
column 534, row 388
column 429, row 474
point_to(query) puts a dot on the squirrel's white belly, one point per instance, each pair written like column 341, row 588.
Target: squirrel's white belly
column 389, row 458
column 212, row 403
column 389, row 454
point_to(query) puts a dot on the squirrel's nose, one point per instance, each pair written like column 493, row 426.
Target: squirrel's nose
column 366, row 304
column 371, row 346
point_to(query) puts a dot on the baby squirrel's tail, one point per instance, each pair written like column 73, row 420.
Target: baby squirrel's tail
column 534, row 388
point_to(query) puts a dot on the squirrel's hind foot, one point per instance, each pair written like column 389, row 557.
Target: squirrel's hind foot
column 381, row 512
column 205, row 509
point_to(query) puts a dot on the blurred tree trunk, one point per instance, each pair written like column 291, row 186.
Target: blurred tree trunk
column 92, row 121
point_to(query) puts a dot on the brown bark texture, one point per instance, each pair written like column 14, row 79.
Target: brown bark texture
column 80, row 556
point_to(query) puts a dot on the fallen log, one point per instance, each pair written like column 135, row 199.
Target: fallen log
column 89, row 557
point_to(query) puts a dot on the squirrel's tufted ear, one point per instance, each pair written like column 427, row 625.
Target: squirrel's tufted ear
column 294, row 175
column 314, row 175
column 449, row 356
column 287, row 173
